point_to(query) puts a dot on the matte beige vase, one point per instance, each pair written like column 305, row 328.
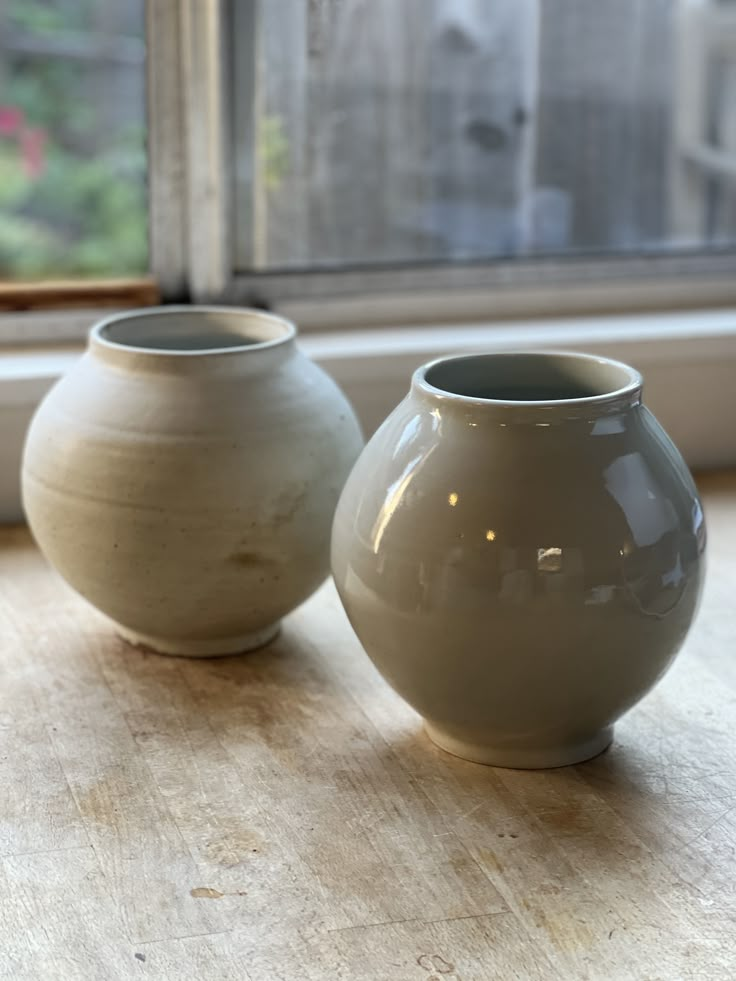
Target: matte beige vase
column 184, row 474
column 520, row 550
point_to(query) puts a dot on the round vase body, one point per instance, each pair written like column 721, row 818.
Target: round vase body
column 183, row 476
column 519, row 549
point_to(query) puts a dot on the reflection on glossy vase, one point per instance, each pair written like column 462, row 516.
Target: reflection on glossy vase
column 520, row 550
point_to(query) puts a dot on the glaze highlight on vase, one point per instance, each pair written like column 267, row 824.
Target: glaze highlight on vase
column 519, row 549
column 183, row 475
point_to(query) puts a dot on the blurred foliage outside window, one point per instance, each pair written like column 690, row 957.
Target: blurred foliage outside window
column 72, row 139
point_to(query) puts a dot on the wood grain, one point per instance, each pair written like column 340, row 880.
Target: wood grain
column 281, row 816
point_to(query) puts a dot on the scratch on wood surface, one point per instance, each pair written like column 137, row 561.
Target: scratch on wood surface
column 186, row 936
column 435, row 964
column 709, row 827
column 472, row 810
column 420, row 920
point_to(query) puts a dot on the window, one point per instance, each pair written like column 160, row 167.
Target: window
column 411, row 142
column 72, row 148
column 471, row 151
column 458, row 130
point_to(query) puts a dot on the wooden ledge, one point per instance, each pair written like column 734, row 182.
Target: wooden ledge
column 282, row 815
column 66, row 294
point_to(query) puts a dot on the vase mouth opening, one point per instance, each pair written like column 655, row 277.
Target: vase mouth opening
column 529, row 380
column 184, row 331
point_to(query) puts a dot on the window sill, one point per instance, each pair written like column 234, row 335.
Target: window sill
column 688, row 360
column 54, row 295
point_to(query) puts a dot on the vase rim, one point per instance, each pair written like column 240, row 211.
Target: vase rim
column 531, row 383
column 181, row 331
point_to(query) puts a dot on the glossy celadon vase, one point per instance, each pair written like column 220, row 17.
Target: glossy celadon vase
column 519, row 549
column 183, row 476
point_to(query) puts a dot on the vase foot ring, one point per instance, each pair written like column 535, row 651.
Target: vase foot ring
column 218, row 647
column 523, row 758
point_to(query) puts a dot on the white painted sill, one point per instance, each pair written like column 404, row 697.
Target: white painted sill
column 688, row 360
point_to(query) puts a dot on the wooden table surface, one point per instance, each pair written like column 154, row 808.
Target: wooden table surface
column 281, row 815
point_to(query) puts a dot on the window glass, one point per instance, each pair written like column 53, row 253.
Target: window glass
column 390, row 131
column 72, row 131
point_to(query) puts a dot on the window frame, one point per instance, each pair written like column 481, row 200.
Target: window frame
column 188, row 141
column 192, row 128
